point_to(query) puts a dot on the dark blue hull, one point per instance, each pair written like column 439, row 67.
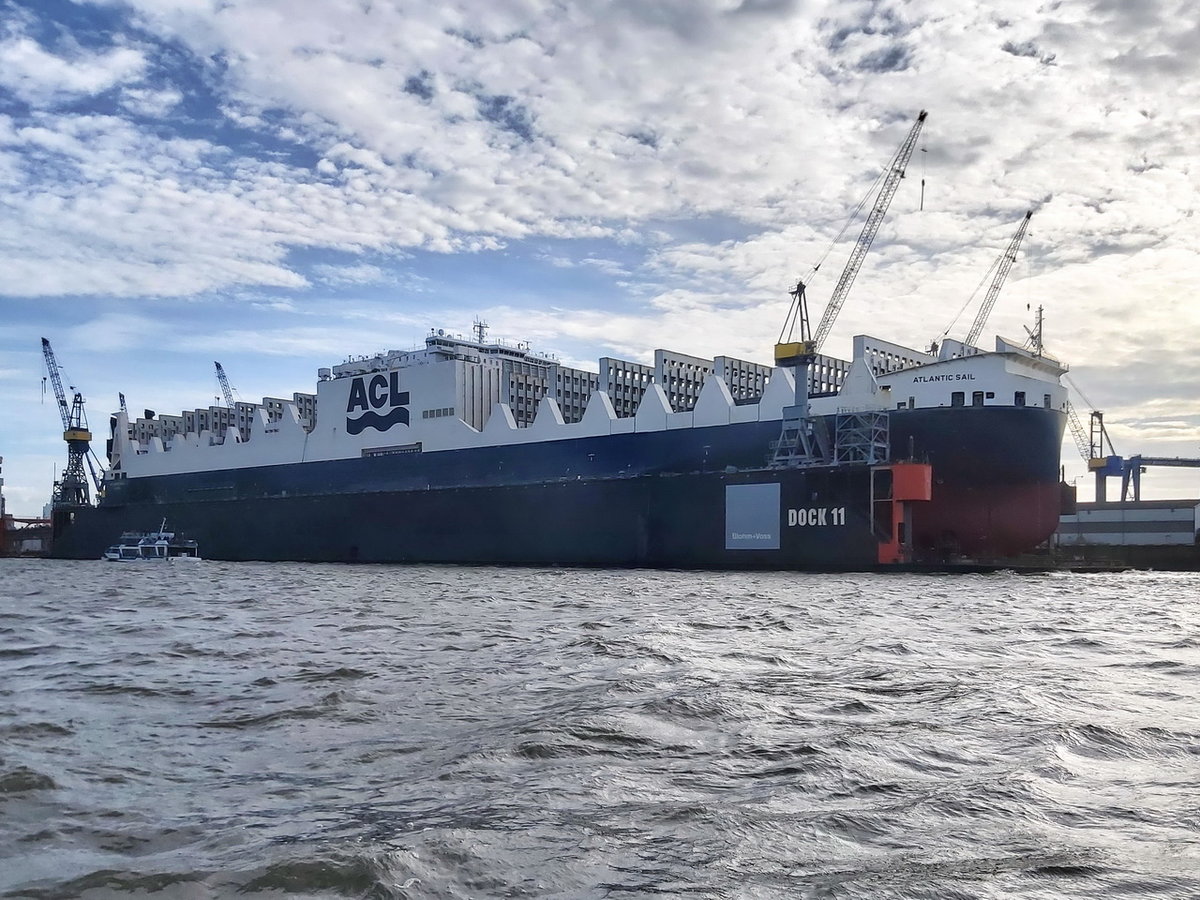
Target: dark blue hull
column 670, row 498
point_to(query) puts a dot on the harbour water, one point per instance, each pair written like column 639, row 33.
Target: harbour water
column 215, row 729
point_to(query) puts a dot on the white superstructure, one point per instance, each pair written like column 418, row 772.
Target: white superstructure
column 456, row 394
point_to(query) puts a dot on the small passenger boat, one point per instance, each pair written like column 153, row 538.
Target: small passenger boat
column 161, row 545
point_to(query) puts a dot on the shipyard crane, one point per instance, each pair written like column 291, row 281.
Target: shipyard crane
column 1003, row 264
column 895, row 172
column 1090, row 444
column 798, row 443
column 72, row 489
column 1082, row 443
column 1105, row 466
column 1133, row 466
column 224, row 381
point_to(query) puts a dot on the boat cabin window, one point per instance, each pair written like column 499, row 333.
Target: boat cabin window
column 977, row 398
column 991, row 395
column 1019, row 398
column 957, row 398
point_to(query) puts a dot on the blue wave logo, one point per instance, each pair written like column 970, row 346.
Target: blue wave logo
column 398, row 416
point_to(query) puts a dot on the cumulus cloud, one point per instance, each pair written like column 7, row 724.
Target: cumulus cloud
column 687, row 161
column 149, row 102
column 360, row 274
column 43, row 78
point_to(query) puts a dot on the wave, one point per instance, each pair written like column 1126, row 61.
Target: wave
column 397, row 416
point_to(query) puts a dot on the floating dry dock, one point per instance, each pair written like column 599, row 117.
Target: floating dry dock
column 481, row 452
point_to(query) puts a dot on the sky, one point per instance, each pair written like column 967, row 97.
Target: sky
column 281, row 185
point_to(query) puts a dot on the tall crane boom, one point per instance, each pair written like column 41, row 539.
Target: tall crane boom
column 60, row 395
column 895, row 172
column 1082, row 442
column 225, row 388
column 1006, row 261
column 801, row 442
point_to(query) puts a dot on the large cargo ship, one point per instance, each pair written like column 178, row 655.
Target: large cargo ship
column 477, row 451
column 470, row 451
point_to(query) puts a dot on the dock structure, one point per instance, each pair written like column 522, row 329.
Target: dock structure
column 24, row 537
column 1158, row 534
column 19, row 536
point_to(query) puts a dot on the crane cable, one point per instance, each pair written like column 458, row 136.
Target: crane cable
column 986, row 275
column 1078, row 390
column 789, row 322
column 1092, row 406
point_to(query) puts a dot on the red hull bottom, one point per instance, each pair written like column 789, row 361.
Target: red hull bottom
column 986, row 522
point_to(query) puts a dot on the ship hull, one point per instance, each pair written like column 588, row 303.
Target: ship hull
column 996, row 479
column 669, row 521
column 694, row 498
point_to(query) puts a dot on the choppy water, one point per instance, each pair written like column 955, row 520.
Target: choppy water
column 333, row 731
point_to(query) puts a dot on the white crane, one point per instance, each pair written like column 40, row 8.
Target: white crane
column 1003, row 264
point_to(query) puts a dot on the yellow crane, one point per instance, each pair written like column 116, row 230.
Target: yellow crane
column 798, row 443
column 72, row 489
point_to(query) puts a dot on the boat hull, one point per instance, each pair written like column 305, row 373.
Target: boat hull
column 675, row 521
column 697, row 498
column 996, row 485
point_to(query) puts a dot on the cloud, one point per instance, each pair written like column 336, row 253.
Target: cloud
column 42, row 78
column 360, row 274
column 1027, row 48
column 685, row 162
column 326, row 343
column 150, row 103
column 119, row 332
column 610, row 267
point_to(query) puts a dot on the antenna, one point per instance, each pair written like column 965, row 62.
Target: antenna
column 1035, row 334
column 480, row 328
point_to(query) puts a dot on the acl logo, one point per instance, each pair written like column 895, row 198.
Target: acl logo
column 376, row 393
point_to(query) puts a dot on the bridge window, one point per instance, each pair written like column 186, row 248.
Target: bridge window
column 977, row 398
column 957, row 398
column 1019, row 398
